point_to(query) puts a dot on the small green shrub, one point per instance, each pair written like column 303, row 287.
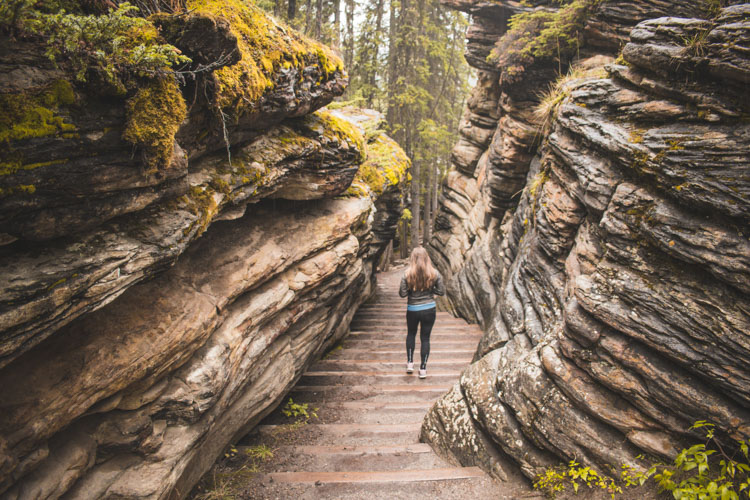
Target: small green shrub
column 300, row 412
column 260, row 452
column 541, row 34
column 116, row 44
column 555, row 480
column 704, row 471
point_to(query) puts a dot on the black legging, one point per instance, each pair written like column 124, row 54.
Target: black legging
column 413, row 319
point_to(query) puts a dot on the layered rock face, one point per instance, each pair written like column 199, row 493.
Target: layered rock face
column 603, row 245
column 148, row 319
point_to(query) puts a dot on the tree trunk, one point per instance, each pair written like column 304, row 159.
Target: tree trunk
column 427, row 221
column 415, row 205
column 349, row 37
column 404, row 244
column 318, row 19
column 291, row 10
column 372, row 81
column 392, row 61
column 308, row 16
column 337, row 24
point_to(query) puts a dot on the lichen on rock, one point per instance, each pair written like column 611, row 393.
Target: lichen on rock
column 27, row 115
column 266, row 48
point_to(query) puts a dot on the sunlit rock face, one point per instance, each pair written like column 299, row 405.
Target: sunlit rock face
column 604, row 248
column 141, row 334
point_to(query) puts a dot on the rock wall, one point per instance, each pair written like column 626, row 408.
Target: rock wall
column 148, row 318
column 602, row 243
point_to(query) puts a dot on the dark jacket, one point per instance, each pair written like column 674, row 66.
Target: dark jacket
column 424, row 296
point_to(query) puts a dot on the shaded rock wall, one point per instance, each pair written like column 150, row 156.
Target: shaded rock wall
column 605, row 252
column 137, row 343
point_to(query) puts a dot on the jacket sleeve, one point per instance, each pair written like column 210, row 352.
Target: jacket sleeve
column 438, row 288
column 403, row 290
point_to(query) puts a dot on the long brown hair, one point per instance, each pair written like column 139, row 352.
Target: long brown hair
column 421, row 274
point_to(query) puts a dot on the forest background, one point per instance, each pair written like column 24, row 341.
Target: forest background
column 405, row 59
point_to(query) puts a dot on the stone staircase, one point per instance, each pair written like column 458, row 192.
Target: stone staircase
column 366, row 444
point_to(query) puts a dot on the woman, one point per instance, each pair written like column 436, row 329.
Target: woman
column 421, row 282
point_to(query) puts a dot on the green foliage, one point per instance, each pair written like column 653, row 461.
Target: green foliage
column 704, row 471
column 541, row 34
column 14, row 13
column 259, row 452
column 117, row 45
column 555, row 480
column 299, row 412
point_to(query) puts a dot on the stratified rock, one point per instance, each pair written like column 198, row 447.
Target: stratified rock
column 195, row 348
column 129, row 373
column 45, row 286
column 75, row 156
column 280, row 74
column 608, row 260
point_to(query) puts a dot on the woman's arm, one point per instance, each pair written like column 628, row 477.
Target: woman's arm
column 403, row 290
column 438, row 288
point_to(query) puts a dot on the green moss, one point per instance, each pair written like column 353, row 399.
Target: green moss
column 265, row 47
column 199, row 201
column 341, row 130
column 386, row 165
column 25, row 116
column 12, row 166
column 154, row 114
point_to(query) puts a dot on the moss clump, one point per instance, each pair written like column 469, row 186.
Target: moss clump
column 265, row 47
column 342, row 130
column 541, row 34
column 386, row 165
column 24, row 116
column 154, row 115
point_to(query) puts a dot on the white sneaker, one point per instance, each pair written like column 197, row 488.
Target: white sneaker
column 422, row 373
column 409, row 367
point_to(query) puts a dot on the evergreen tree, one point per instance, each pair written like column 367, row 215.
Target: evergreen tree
column 405, row 59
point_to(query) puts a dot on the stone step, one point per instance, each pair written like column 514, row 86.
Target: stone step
column 468, row 338
column 379, row 365
column 401, row 321
column 349, row 378
column 338, row 458
column 400, row 343
column 464, row 355
column 399, row 476
column 419, row 391
column 398, row 328
column 353, row 434
column 411, row 413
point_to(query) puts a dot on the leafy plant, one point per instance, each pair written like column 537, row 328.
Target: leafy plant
column 704, row 471
column 541, row 34
column 300, row 412
column 555, row 480
column 117, row 43
column 260, row 452
column 696, row 474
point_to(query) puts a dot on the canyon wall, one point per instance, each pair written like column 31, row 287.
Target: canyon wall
column 598, row 231
column 158, row 297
